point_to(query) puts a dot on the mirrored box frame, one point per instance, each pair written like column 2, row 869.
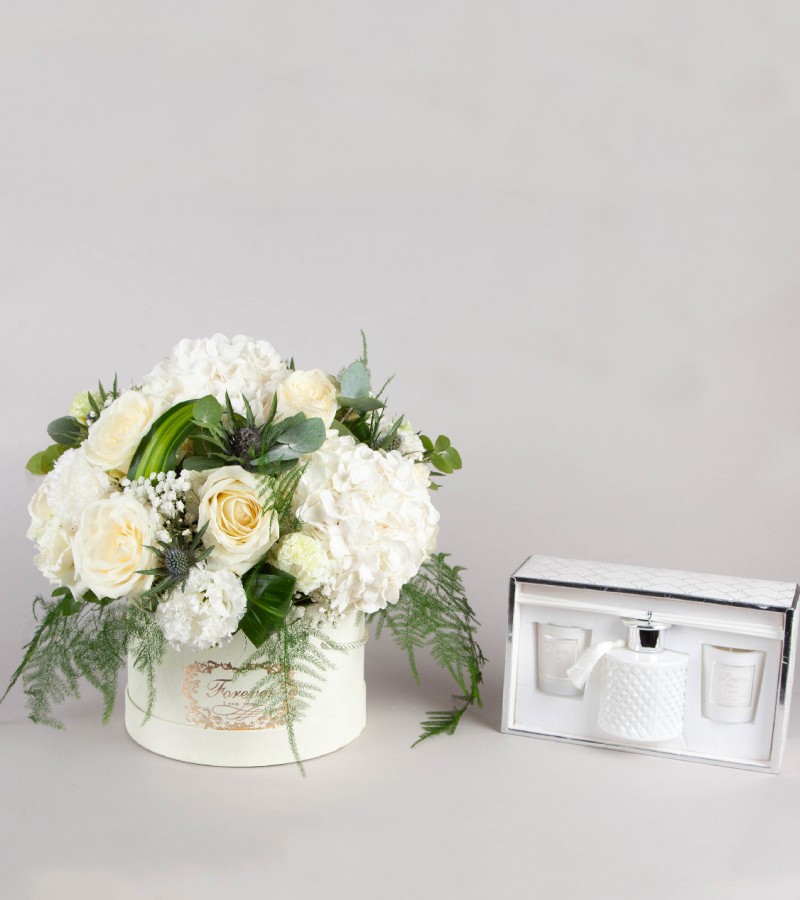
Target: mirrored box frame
column 739, row 595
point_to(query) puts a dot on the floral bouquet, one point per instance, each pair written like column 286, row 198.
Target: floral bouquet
column 231, row 495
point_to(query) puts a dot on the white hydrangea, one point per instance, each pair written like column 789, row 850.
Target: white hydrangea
column 304, row 557
column 73, row 484
column 205, row 612
column 215, row 365
column 372, row 513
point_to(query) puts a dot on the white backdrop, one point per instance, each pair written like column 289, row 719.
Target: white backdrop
column 571, row 229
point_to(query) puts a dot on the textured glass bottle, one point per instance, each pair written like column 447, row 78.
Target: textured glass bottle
column 644, row 686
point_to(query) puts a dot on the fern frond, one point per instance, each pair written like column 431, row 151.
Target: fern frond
column 78, row 640
column 295, row 658
column 434, row 614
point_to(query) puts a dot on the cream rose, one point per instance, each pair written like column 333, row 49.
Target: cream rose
column 112, row 547
column 54, row 559
column 313, row 393
column 40, row 512
column 237, row 530
column 114, row 437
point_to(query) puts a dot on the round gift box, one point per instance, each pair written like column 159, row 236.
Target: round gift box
column 202, row 715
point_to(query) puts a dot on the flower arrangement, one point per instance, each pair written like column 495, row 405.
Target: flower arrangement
column 229, row 491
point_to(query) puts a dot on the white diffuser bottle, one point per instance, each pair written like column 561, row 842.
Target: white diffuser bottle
column 644, row 687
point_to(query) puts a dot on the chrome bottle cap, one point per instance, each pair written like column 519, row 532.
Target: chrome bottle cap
column 644, row 634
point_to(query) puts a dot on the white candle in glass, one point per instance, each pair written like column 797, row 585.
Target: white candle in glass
column 731, row 683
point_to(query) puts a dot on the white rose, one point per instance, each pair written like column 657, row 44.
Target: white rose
column 237, row 530
column 72, row 485
column 304, row 557
column 54, row 559
column 40, row 512
column 313, row 393
column 116, row 434
column 112, row 546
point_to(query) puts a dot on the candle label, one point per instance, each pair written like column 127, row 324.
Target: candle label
column 732, row 685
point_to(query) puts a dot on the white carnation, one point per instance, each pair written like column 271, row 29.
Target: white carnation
column 73, row 484
column 238, row 365
column 408, row 442
column 205, row 612
column 304, row 557
column 372, row 513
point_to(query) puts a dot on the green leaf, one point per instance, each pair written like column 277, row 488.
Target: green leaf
column 208, row 411
column 269, row 598
column 452, row 456
column 360, row 404
column 68, row 605
column 442, row 443
column 427, row 443
column 354, row 381
column 442, row 463
column 158, row 449
column 201, row 463
column 41, row 463
column 302, row 435
column 67, row 431
column 35, row 464
column 341, row 428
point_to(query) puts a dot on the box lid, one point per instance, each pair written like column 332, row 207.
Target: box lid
column 777, row 595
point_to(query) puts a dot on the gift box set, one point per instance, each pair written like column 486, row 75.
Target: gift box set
column 651, row 661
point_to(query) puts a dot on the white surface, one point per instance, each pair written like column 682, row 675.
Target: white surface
column 572, row 231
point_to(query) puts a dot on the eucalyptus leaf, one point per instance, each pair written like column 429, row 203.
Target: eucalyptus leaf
column 442, row 463
column 360, row 404
column 354, row 381
column 41, row 463
column 67, row 431
column 303, row 435
column 35, row 464
column 207, row 411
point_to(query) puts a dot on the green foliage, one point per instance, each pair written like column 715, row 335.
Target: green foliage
column 102, row 396
column 83, row 639
column 223, row 437
column 299, row 655
column 269, row 593
column 158, row 449
column 434, row 614
column 441, row 454
column 41, row 463
column 68, row 431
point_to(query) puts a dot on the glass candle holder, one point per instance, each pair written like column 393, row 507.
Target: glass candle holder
column 557, row 650
column 731, row 683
